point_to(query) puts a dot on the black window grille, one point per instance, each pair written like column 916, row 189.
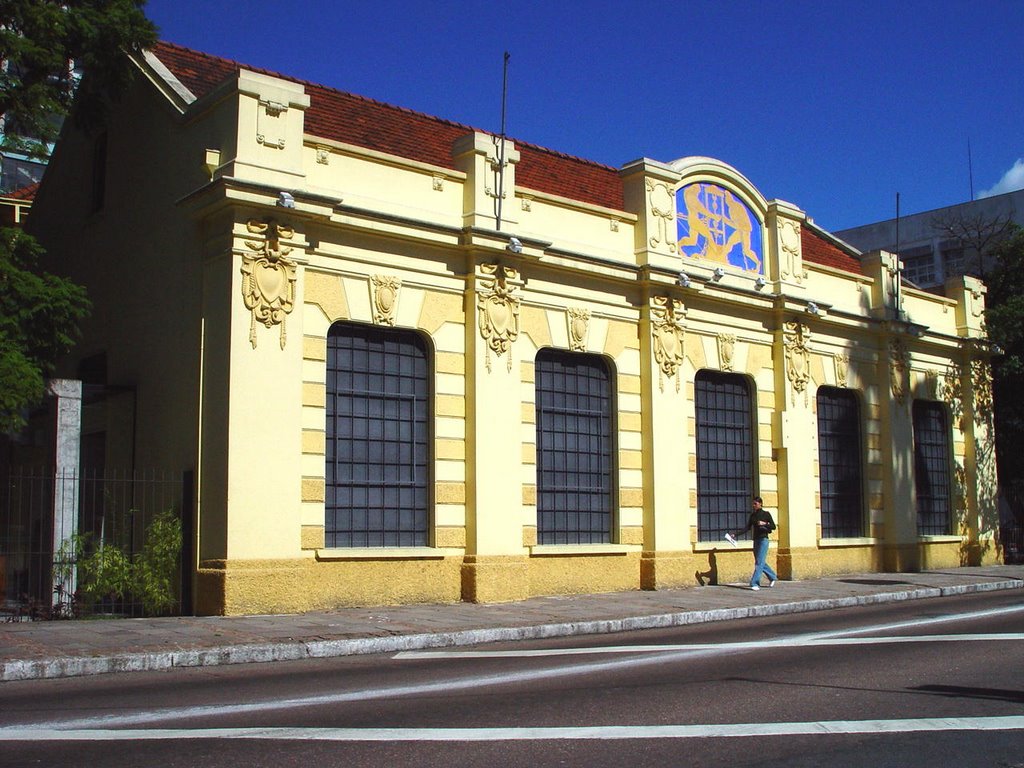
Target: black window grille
column 839, row 464
column 725, row 453
column 575, row 459
column 378, row 438
column 932, row 479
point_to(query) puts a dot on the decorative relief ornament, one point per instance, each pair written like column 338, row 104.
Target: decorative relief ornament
column 667, row 335
column 659, row 196
column 899, row 369
column 268, row 278
column 798, row 358
column 931, row 384
column 789, row 242
column 385, row 298
column 842, row 361
column 323, row 154
column 726, row 347
column 498, row 312
column 579, row 326
column 270, row 126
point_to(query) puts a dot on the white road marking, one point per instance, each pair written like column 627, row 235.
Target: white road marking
column 599, row 732
column 451, row 685
column 746, row 646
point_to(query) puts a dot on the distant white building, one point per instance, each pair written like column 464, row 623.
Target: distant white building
column 930, row 251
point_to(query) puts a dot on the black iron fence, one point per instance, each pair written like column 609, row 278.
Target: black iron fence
column 92, row 544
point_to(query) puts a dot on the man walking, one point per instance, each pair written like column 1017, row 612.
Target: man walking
column 762, row 524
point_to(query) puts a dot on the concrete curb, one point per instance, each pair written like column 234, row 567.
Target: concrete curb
column 40, row 669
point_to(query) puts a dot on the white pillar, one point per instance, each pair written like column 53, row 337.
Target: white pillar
column 67, row 408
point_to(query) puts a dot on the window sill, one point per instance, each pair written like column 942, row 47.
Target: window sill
column 946, row 539
column 388, row 553
column 853, row 541
column 725, row 546
column 570, row 550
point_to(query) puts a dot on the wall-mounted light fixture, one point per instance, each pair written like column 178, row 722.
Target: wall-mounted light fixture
column 812, row 308
column 684, row 280
column 515, row 245
column 719, row 273
column 285, row 200
column 760, row 283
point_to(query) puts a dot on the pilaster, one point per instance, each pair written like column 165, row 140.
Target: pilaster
column 495, row 567
column 793, row 444
column 666, row 483
column 490, row 181
column 649, row 193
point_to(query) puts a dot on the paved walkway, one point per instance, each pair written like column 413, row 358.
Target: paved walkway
column 33, row 650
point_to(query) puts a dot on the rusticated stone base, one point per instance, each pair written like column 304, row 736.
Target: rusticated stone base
column 495, row 578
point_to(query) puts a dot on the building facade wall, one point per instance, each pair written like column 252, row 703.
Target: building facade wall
column 382, row 241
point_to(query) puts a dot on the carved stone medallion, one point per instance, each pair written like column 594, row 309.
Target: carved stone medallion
column 498, row 311
column 667, row 337
column 798, row 358
column 842, row 362
column 268, row 277
column 726, row 348
column 385, row 298
column 899, row 369
column 579, row 327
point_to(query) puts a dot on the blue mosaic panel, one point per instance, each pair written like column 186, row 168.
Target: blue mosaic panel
column 715, row 225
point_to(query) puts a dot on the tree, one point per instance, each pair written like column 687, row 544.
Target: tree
column 974, row 232
column 39, row 41
column 1005, row 322
column 39, row 316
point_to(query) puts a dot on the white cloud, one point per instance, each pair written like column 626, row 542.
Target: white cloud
column 1012, row 180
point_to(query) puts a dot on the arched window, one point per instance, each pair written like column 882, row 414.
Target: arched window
column 839, row 464
column 575, row 448
column 378, row 438
column 725, row 453
column 932, row 477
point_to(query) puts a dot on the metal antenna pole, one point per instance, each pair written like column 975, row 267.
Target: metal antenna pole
column 970, row 167
column 898, row 278
column 501, row 146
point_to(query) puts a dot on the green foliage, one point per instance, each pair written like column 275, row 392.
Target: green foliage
column 39, row 317
column 38, row 39
column 105, row 571
column 155, row 569
column 1005, row 322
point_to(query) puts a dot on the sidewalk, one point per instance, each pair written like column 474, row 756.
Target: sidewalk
column 35, row 650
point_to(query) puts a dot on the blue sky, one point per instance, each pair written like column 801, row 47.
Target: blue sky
column 833, row 106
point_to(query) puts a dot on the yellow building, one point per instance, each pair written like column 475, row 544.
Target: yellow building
column 408, row 362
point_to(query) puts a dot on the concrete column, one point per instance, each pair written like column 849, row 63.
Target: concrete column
column 900, row 551
column 665, row 561
column 67, row 409
column 793, row 447
column 495, row 567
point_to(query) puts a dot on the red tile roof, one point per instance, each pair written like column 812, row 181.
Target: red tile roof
column 25, row 193
column 353, row 119
column 364, row 122
column 818, row 250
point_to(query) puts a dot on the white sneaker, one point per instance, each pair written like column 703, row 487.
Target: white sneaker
column 754, row 587
column 771, row 583
column 731, row 539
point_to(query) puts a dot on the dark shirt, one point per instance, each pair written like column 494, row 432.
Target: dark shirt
column 761, row 522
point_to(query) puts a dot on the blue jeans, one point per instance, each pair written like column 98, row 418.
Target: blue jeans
column 760, row 563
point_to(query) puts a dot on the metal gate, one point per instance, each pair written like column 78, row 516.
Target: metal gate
column 93, row 544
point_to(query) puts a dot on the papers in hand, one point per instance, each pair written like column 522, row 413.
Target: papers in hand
column 731, row 539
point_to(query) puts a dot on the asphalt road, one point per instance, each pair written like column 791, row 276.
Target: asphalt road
column 927, row 683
